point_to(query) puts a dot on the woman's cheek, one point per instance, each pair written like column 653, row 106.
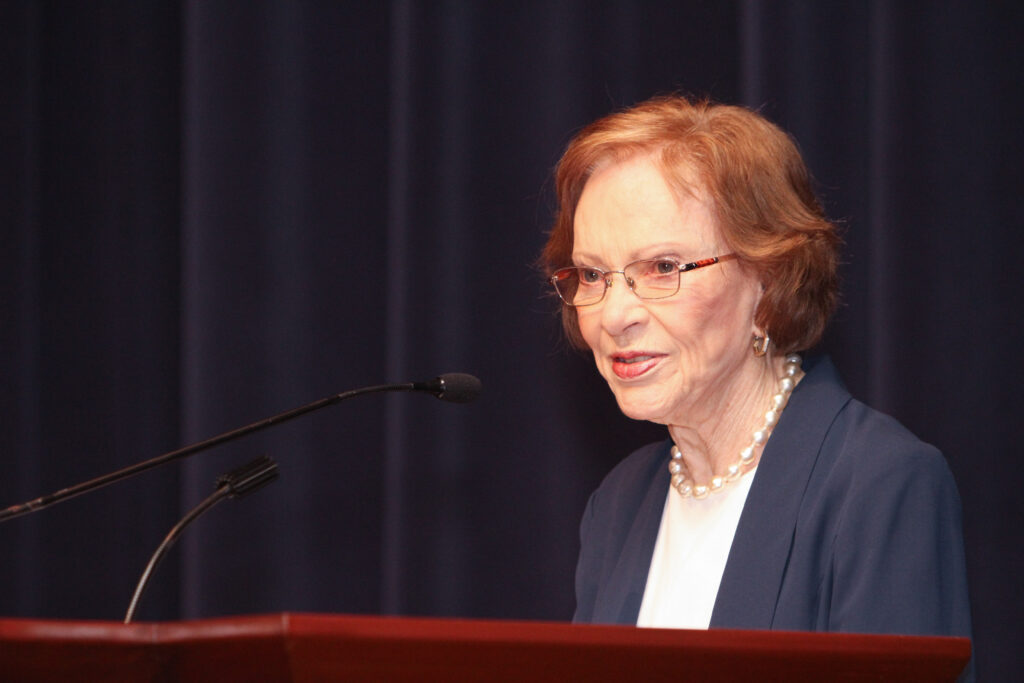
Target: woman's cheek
column 589, row 328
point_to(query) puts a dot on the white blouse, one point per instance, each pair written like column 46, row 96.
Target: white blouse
column 690, row 555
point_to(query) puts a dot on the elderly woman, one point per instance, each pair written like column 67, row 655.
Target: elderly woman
column 694, row 262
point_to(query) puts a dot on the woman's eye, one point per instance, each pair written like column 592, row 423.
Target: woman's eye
column 590, row 276
column 665, row 267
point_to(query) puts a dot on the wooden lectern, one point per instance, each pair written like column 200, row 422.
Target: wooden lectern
column 302, row 647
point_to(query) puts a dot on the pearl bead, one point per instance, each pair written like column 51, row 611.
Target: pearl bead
column 687, row 488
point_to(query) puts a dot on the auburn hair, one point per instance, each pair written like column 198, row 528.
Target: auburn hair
column 760, row 194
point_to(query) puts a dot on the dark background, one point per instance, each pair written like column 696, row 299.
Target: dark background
column 215, row 211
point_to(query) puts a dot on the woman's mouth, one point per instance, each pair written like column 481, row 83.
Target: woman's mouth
column 632, row 365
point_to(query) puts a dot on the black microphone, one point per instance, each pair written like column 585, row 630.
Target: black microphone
column 456, row 387
column 234, row 484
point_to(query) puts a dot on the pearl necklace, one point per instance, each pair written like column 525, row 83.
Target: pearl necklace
column 682, row 483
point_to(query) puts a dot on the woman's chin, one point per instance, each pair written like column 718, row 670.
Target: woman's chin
column 636, row 406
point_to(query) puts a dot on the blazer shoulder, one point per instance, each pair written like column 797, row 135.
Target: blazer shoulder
column 883, row 448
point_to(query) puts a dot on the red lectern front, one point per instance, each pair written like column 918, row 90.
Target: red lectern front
column 301, row 647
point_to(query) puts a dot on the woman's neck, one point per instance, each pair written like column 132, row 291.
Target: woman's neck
column 713, row 441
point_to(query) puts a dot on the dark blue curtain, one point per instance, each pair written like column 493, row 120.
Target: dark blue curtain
column 215, row 211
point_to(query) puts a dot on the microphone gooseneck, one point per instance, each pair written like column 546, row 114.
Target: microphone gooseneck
column 454, row 387
column 234, row 484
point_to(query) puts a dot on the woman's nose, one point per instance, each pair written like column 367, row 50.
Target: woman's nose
column 621, row 308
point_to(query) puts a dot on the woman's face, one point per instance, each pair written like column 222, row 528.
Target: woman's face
column 662, row 358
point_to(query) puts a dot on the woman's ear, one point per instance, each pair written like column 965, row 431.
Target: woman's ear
column 755, row 329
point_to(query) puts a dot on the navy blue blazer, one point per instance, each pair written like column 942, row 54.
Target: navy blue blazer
column 852, row 524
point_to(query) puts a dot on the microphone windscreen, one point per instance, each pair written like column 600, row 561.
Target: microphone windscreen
column 458, row 387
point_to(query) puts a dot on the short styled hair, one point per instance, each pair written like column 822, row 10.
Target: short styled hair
column 760, row 194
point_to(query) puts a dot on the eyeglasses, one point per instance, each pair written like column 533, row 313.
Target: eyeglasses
column 649, row 279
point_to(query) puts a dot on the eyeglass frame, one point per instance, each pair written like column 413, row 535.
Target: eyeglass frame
column 681, row 268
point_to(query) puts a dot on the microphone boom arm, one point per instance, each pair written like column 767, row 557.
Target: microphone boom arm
column 107, row 479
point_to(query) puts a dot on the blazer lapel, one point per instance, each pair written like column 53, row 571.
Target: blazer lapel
column 757, row 561
column 619, row 599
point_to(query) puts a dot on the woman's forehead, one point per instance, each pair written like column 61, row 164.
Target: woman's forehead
column 629, row 209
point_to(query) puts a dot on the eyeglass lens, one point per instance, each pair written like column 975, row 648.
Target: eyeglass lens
column 649, row 279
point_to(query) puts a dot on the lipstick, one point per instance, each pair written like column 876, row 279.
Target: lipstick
column 633, row 364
